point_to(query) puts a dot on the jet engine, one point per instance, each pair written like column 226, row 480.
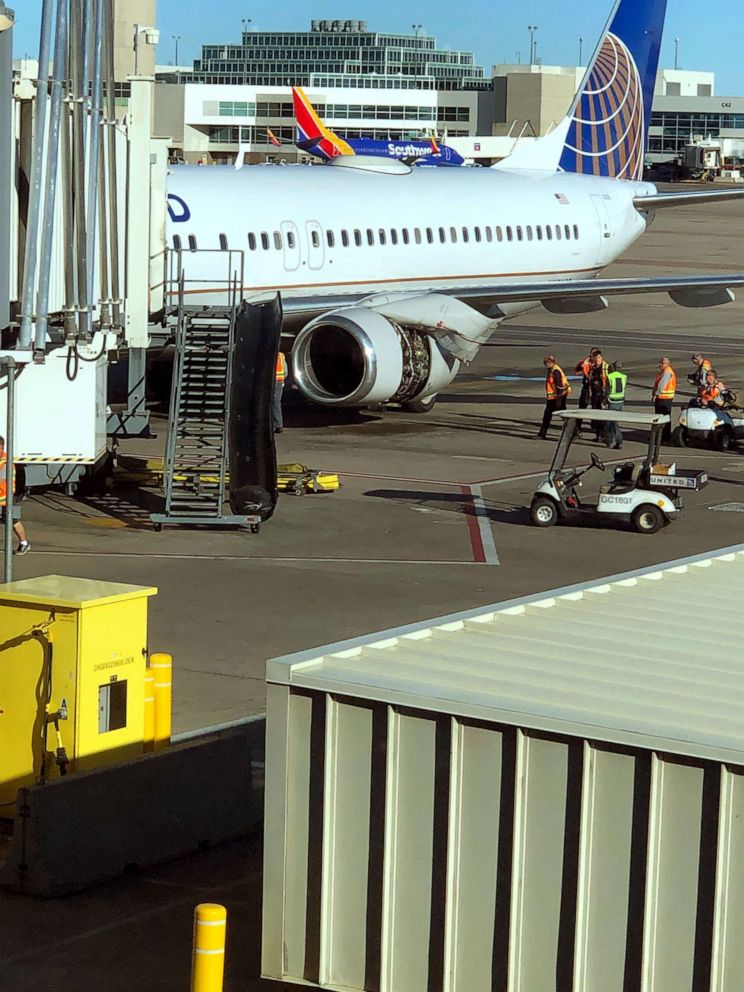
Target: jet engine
column 357, row 356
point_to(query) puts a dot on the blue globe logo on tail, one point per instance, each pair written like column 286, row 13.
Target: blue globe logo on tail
column 607, row 135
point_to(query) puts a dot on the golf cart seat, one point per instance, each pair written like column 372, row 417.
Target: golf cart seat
column 625, row 479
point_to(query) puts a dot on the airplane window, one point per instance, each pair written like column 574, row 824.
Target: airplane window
column 442, row 235
column 315, row 239
column 357, row 237
column 529, row 232
column 477, row 232
column 558, row 232
column 278, row 240
column 576, row 231
column 381, row 235
column 291, row 242
column 370, row 236
column 177, row 242
column 465, row 234
column 252, row 241
column 264, row 240
column 489, row 234
column 223, row 242
column 192, row 242
column 453, row 235
column 549, row 232
column 393, row 236
column 417, row 235
column 499, row 234
column 330, row 238
column 430, row 235
column 509, row 233
column 406, row 237
column 345, row 239
column 568, row 233
column 520, row 233
column 538, row 231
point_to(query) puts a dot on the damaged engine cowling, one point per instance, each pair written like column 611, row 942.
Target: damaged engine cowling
column 356, row 357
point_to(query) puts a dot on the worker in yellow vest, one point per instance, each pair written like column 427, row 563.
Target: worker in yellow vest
column 276, row 400
column 557, row 391
column 20, row 530
column 663, row 392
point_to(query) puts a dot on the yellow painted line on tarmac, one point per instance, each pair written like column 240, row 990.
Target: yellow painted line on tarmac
column 108, row 523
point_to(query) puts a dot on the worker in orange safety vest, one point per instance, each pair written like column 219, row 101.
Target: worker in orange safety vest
column 20, row 530
column 557, row 391
column 276, row 400
column 663, row 392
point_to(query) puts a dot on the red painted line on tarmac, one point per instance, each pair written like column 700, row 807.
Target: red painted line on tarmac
column 476, row 542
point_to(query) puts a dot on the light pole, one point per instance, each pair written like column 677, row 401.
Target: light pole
column 152, row 37
column 416, row 29
column 532, row 28
column 676, row 53
column 246, row 22
column 581, row 51
column 176, row 38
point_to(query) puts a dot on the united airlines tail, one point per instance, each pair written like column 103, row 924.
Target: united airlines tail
column 605, row 131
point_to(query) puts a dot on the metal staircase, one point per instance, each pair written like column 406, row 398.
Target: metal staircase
column 196, row 460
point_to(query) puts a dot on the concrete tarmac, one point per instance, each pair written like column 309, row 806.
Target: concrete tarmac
column 432, row 518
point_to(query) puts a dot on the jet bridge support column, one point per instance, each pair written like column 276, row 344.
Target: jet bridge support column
column 6, row 145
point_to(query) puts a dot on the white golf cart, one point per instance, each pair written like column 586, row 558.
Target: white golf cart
column 702, row 425
column 645, row 495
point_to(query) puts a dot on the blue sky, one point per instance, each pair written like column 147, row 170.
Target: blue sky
column 710, row 38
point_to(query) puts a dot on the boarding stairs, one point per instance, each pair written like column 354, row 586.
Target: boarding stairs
column 196, row 461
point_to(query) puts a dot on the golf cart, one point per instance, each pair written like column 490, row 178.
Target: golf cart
column 702, row 424
column 645, row 494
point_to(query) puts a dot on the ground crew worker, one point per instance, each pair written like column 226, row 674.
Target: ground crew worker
column 710, row 394
column 703, row 366
column 584, row 368
column 598, row 390
column 276, row 400
column 20, row 530
column 663, row 393
column 557, row 391
column 618, row 383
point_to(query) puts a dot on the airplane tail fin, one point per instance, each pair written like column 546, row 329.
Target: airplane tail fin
column 606, row 129
column 312, row 134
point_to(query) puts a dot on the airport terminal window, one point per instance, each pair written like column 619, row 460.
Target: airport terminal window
column 265, row 240
column 417, row 235
column 345, row 239
column 277, row 241
column 406, row 237
column 177, row 242
column 465, row 235
column 381, row 234
column 477, row 232
column 290, row 239
column 330, row 238
column 453, row 235
column 429, row 236
column 576, row 231
column 520, row 232
column 393, row 236
column 357, row 237
column 252, row 241
column 567, row 229
column 370, row 236
column 192, row 242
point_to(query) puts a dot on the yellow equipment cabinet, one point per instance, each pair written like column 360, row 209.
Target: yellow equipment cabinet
column 73, row 656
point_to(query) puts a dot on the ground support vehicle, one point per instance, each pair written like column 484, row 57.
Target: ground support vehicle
column 703, row 425
column 645, row 494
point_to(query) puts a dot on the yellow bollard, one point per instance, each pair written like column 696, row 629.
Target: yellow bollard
column 208, row 961
column 148, row 732
column 161, row 666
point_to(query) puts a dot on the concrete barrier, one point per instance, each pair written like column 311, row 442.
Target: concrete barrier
column 90, row 827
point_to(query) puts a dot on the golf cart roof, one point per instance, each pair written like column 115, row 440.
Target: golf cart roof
column 603, row 416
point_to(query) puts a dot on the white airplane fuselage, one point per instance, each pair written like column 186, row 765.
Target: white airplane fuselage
column 434, row 211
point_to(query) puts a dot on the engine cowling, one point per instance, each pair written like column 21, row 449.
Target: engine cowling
column 356, row 357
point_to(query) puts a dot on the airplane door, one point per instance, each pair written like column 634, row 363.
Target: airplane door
column 291, row 242
column 315, row 251
column 604, row 248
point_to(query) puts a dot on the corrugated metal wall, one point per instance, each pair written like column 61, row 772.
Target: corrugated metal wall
column 409, row 850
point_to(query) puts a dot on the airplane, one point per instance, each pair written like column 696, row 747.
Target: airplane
column 391, row 277
column 314, row 137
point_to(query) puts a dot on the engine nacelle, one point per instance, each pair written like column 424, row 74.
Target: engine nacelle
column 356, row 357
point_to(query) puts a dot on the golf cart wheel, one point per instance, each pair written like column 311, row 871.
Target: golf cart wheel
column 680, row 437
column 723, row 439
column 544, row 512
column 648, row 519
column 420, row 406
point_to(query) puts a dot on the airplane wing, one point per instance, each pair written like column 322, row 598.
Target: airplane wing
column 660, row 200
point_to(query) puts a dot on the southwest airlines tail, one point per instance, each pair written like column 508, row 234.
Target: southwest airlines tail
column 605, row 131
column 312, row 134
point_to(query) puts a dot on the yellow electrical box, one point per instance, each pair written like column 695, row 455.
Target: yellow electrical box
column 73, row 657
